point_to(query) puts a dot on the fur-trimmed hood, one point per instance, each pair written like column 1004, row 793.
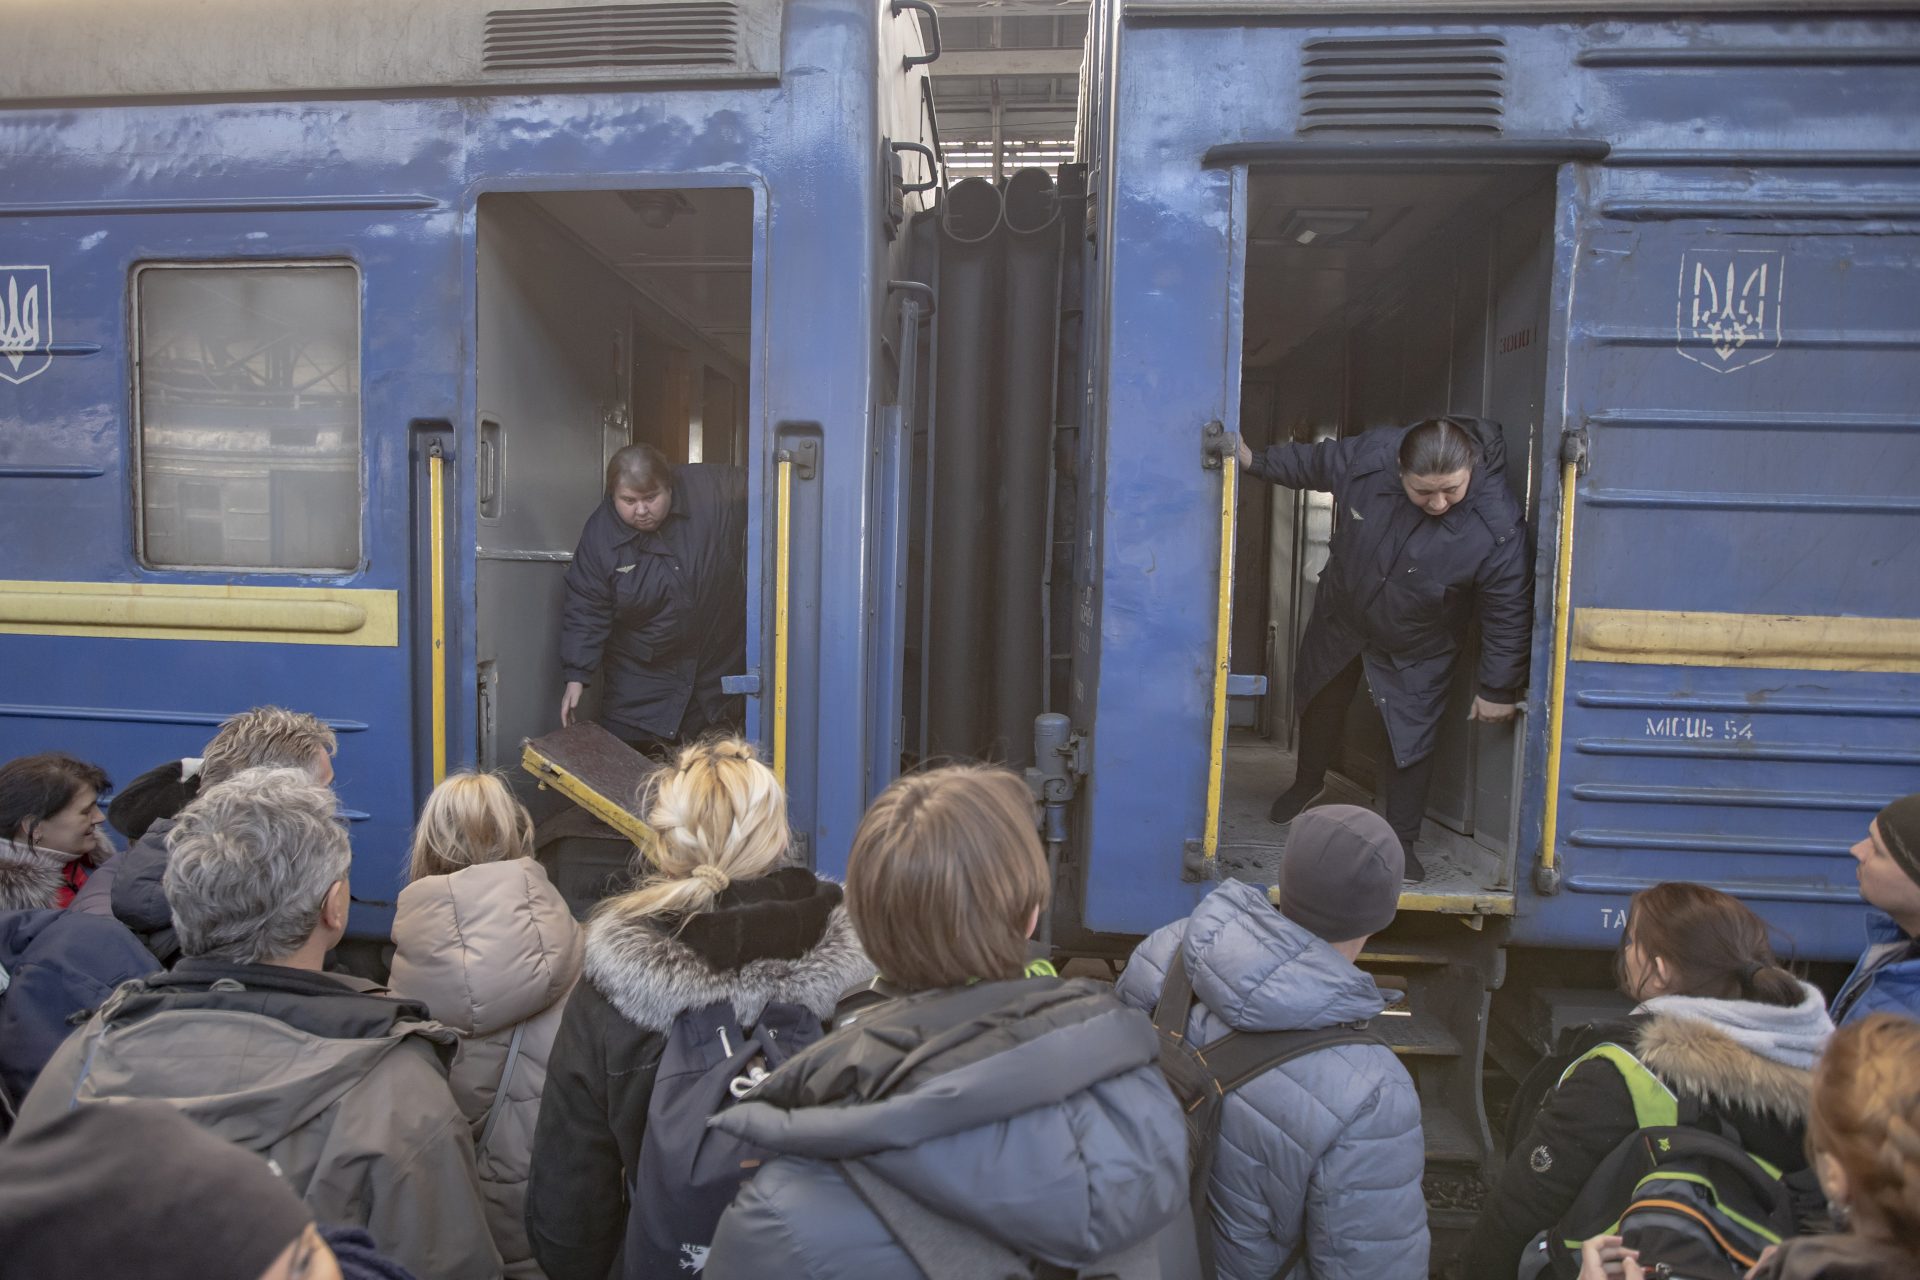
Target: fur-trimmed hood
column 29, row 876
column 651, row 975
column 1698, row 1058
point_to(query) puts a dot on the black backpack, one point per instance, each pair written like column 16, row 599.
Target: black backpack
column 1202, row 1076
column 1682, row 1189
column 687, row 1172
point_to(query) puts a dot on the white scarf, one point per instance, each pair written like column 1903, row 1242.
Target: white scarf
column 1792, row 1037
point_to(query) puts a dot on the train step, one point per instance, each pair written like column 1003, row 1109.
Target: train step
column 1416, row 1035
column 1449, row 1138
column 1395, row 953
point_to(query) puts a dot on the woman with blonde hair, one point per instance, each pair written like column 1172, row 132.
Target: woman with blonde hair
column 723, row 917
column 486, row 942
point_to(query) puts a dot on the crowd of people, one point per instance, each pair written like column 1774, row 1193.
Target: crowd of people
column 738, row 1068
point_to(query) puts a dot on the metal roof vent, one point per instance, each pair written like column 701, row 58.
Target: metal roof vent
column 1404, row 82
column 613, row 38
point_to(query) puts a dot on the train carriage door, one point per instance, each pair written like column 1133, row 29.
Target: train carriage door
column 206, row 493
column 1375, row 297
column 1737, row 569
column 605, row 318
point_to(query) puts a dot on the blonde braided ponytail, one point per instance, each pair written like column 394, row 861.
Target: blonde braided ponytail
column 718, row 815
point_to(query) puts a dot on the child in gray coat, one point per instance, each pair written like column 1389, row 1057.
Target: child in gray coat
column 1320, row 1158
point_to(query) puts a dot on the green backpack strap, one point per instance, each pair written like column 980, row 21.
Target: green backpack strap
column 1654, row 1105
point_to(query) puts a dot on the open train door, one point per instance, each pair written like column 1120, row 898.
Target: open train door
column 1733, row 633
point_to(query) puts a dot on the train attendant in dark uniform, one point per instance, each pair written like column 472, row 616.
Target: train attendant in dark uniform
column 656, row 599
column 1426, row 535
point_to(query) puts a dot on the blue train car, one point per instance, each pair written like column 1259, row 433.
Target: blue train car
column 321, row 320
column 1677, row 255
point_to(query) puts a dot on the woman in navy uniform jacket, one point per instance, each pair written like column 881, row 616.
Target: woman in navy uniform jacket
column 1426, row 536
column 656, row 599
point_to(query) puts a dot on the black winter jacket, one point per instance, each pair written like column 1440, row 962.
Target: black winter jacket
column 1591, row 1112
column 130, row 888
column 1031, row 1111
column 784, row 937
column 661, row 615
column 1400, row 586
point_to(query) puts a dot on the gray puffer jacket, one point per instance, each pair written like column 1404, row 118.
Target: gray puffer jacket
column 1030, row 1111
column 1330, row 1143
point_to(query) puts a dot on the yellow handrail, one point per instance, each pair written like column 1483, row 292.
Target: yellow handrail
column 782, row 553
column 1556, row 705
column 437, row 586
column 1222, row 655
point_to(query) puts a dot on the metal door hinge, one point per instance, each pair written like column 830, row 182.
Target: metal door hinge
column 1217, row 443
column 804, row 454
column 1576, row 447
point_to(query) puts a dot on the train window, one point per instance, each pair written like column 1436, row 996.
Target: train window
column 247, row 404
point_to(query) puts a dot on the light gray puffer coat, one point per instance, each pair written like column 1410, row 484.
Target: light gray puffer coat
column 493, row 951
column 1030, row 1111
column 1330, row 1143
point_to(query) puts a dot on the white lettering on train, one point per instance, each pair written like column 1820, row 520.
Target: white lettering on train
column 1699, row 727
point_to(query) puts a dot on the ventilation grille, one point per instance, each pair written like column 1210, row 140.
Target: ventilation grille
column 1440, row 82
column 622, row 37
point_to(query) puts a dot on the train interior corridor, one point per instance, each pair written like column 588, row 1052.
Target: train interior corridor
column 606, row 318
column 1378, row 298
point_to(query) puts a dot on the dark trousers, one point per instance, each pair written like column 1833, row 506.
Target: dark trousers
column 1323, row 724
column 693, row 726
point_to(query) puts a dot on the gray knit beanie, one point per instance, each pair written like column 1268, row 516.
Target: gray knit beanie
column 1340, row 873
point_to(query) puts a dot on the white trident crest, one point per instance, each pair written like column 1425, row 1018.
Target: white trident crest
column 26, row 322
column 1728, row 312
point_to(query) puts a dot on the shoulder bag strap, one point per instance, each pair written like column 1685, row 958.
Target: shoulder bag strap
column 1241, row 1056
column 1292, row 1260
column 500, row 1092
column 942, row 1248
column 1176, row 996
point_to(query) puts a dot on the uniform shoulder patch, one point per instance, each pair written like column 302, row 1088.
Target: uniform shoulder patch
column 1540, row 1159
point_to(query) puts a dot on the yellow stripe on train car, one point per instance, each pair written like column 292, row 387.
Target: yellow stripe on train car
column 191, row 611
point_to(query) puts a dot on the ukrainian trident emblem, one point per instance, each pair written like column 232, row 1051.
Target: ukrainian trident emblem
column 26, row 322
column 1728, row 313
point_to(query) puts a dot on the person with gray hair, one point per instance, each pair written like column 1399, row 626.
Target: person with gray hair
column 129, row 886
column 342, row 1086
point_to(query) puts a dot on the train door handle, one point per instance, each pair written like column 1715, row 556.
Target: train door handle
column 933, row 32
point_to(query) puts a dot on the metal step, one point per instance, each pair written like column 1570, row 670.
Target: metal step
column 1413, row 1035
column 1449, row 1138
column 1394, row 954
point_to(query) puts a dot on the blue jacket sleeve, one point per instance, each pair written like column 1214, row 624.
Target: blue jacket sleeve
column 1894, row 988
column 1503, row 591
column 1321, row 466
